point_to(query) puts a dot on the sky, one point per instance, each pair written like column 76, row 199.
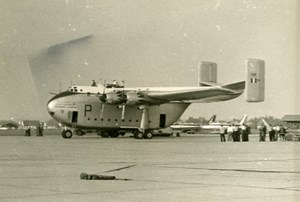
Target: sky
column 146, row 43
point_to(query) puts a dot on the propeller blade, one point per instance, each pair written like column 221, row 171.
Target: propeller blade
column 102, row 110
column 123, row 111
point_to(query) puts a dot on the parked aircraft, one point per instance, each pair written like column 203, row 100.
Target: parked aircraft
column 212, row 125
column 113, row 110
column 184, row 127
column 217, row 125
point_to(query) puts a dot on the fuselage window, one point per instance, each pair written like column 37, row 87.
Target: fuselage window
column 95, row 119
column 101, row 119
column 116, row 120
column 129, row 120
column 89, row 119
column 108, row 119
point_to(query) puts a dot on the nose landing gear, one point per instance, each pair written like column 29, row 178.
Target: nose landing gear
column 67, row 134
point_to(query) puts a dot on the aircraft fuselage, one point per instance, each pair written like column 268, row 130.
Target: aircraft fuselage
column 86, row 111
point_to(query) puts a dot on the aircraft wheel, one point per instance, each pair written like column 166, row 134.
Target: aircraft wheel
column 114, row 133
column 148, row 135
column 67, row 134
column 105, row 133
column 99, row 132
column 138, row 135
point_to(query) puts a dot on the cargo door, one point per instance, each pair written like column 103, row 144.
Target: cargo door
column 162, row 120
column 73, row 116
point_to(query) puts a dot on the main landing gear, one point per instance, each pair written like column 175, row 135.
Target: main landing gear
column 140, row 135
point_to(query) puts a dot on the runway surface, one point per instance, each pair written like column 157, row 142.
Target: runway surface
column 186, row 168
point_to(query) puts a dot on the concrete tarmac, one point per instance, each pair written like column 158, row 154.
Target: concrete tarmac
column 186, row 168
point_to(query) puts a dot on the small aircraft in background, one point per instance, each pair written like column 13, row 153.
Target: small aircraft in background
column 217, row 125
column 3, row 128
column 212, row 125
column 190, row 127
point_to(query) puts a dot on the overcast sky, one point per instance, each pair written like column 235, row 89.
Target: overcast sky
column 146, row 43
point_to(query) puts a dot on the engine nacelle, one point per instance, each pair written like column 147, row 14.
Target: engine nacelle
column 113, row 98
column 133, row 98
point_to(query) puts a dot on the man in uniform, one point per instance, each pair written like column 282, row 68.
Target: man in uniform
column 222, row 133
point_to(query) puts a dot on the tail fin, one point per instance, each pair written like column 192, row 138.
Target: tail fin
column 212, row 119
column 266, row 124
column 244, row 120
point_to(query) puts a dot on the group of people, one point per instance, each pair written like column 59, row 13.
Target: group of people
column 114, row 84
column 39, row 130
column 276, row 133
column 235, row 133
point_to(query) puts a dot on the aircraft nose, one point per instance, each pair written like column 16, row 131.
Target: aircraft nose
column 51, row 107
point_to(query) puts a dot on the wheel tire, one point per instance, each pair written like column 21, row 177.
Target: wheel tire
column 138, row 135
column 99, row 133
column 114, row 134
column 105, row 133
column 148, row 135
column 67, row 134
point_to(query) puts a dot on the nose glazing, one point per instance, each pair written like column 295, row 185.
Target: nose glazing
column 50, row 107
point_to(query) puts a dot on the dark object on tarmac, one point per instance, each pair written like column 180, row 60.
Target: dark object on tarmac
column 27, row 132
column 85, row 176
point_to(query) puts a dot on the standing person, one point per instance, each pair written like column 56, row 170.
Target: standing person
column 282, row 132
column 94, row 83
column 229, row 132
column 222, row 134
column 238, row 133
column 245, row 135
column 235, row 133
column 41, row 129
column 272, row 133
column 277, row 128
column 262, row 133
column 27, row 131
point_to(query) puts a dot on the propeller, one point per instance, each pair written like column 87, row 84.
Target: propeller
column 123, row 98
column 103, row 99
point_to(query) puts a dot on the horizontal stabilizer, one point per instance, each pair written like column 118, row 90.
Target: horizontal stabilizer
column 202, row 83
column 235, row 86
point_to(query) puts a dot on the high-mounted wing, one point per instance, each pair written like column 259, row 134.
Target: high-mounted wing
column 201, row 94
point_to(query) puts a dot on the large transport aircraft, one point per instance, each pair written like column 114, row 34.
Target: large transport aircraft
column 113, row 110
